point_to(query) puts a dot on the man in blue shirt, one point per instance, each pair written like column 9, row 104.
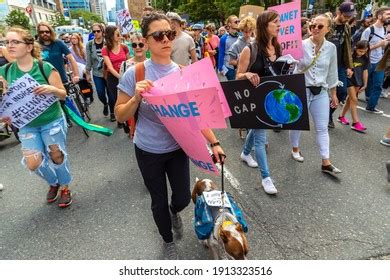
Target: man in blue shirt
column 55, row 51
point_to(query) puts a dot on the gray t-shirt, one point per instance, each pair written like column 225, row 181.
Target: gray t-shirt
column 151, row 135
column 375, row 55
column 181, row 51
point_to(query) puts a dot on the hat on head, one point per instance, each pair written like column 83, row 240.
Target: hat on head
column 197, row 26
column 174, row 16
column 348, row 9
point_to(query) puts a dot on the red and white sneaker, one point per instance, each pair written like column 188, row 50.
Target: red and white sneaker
column 359, row 127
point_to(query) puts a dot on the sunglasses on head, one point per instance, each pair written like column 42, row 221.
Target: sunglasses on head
column 44, row 31
column 159, row 35
column 96, row 31
column 314, row 26
column 140, row 45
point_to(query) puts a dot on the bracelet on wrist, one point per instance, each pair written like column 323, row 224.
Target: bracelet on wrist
column 215, row 144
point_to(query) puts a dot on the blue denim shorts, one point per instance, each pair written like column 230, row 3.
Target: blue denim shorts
column 40, row 138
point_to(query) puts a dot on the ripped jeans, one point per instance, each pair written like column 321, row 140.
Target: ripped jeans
column 38, row 141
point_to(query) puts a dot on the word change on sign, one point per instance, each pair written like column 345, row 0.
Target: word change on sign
column 185, row 114
column 21, row 104
column 290, row 34
column 214, row 198
column 277, row 102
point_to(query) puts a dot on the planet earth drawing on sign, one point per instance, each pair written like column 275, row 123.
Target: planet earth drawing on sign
column 283, row 106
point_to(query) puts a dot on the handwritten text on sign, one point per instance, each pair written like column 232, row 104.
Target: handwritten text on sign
column 290, row 35
column 214, row 198
column 21, row 104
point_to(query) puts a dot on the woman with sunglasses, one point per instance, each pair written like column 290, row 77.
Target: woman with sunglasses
column 114, row 53
column 44, row 138
column 319, row 64
column 95, row 63
column 139, row 48
column 158, row 154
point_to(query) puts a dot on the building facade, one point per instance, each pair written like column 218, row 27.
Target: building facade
column 77, row 4
column 42, row 10
column 119, row 5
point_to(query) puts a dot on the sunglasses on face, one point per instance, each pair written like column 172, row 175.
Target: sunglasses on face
column 96, row 31
column 159, row 35
column 140, row 45
column 44, row 31
column 236, row 22
column 314, row 26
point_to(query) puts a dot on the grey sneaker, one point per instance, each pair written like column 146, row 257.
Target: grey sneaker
column 385, row 141
column 170, row 251
column 177, row 223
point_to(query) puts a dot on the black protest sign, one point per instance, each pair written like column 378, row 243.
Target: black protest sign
column 277, row 102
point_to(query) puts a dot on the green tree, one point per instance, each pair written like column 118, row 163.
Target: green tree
column 19, row 18
column 86, row 15
column 59, row 20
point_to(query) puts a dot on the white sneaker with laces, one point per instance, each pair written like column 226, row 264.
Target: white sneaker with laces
column 249, row 160
column 297, row 156
column 269, row 186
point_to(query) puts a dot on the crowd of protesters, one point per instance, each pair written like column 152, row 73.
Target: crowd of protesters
column 341, row 59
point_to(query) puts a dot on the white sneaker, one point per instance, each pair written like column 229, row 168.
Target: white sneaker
column 297, row 156
column 249, row 160
column 269, row 186
column 1, row 187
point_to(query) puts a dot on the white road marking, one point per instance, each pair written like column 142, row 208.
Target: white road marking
column 232, row 180
column 383, row 115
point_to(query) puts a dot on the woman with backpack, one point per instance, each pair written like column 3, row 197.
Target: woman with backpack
column 95, row 63
column 44, row 138
column 268, row 50
column 158, row 154
column 114, row 53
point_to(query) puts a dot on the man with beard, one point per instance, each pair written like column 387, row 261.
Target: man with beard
column 376, row 36
column 54, row 51
column 341, row 37
column 227, row 40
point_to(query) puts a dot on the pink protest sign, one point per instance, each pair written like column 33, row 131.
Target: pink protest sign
column 195, row 76
column 290, row 34
column 184, row 114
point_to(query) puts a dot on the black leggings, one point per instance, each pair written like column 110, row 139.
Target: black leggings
column 154, row 169
column 112, row 83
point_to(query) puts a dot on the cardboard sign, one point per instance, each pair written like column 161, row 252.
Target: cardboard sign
column 250, row 10
column 290, row 34
column 124, row 21
column 277, row 102
column 185, row 114
column 136, row 8
column 214, row 199
column 21, row 104
column 199, row 75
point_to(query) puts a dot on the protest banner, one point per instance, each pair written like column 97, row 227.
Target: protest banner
column 185, row 114
column 277, row 102
column 250, row 10
column 136, row 25
column 199, row 75
column 21, row 104
column 290, row 34
column 136, row 8
column 124, row 21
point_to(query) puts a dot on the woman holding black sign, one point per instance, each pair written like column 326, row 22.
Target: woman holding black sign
column 319, row 64
column 44, row 138
column 268, row 50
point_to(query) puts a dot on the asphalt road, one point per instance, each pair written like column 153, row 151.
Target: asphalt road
column 314, row 216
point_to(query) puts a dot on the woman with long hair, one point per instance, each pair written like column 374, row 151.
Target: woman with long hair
column 158, row 154
column 77, row 48
column 319, row 64
column 268, row 50
column 114, row 53
column 212, row 43
column 95, row 64
column 44, row 138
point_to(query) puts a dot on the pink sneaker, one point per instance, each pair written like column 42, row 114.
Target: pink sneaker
column 358, row 127
column 343, row 120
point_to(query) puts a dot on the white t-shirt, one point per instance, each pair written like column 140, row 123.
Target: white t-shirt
column 182, row 46
column 376, row 54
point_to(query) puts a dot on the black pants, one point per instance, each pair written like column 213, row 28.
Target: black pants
column 154, row 169
column 112, row 83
